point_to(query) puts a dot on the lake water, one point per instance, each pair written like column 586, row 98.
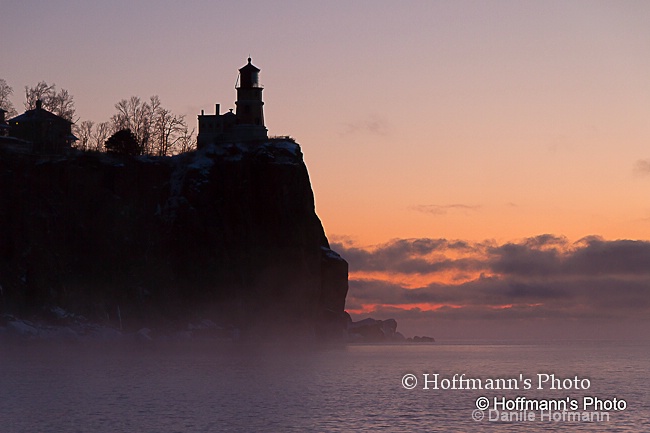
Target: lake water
column 195, row 388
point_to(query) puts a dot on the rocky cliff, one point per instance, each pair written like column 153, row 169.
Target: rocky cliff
column 226, row 233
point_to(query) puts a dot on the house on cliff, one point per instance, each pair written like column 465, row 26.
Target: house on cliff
column 7, row 142
column 42, row 130
column 246, row 123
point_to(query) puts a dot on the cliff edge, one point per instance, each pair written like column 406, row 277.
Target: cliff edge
column 227, row 233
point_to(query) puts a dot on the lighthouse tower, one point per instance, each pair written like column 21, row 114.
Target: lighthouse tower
column 247, row 124
column 250, row 111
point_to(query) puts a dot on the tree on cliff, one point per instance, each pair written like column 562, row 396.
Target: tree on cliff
column 91, row 136
column 157, row 130
column 84, row 135
column 100, row 134
column 166, row 131
column 60, row 103
column 123, row 142
column 5, row 103
column 133, row 114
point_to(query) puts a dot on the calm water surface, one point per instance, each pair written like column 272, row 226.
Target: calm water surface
column 192, row 388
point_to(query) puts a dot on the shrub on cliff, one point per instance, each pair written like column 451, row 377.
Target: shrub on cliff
column 123, row 142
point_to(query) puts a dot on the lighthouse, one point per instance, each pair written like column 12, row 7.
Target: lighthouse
column 250, row 107
column 249, row 102
column 247, row 123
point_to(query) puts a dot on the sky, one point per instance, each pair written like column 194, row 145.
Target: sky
column 484, row 166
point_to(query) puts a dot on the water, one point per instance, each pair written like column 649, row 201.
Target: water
column 192, row 388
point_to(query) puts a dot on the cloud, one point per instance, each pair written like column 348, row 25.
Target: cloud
column 434, row 209
column 504, row 298
column 588, row 257
column 642, row 167
column 543, row 277
column 541, row 256
column 410, row 256
column 373, row 125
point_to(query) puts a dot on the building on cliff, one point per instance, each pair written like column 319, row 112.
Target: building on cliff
column 246, row 124
column 43, row 130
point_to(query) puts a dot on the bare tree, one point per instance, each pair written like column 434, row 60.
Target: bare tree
column 157, row 130
column 92, row 136
column 5, row 103
column 135, row 115
column 60, row 103
column 186, row 141
column 100, row 134
column 167, row 131
column 84, row 132
column 42, row 91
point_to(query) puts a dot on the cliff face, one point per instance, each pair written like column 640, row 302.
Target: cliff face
column 227, row 233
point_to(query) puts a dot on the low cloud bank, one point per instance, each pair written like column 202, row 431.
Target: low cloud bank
column 536, row 279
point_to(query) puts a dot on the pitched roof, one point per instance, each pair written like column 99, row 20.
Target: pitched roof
column 37, row 114
column 248, row 66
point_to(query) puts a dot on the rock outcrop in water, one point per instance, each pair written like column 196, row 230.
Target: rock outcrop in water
column 372, row 330
column 227, row 233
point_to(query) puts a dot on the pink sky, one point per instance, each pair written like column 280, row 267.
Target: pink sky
column 471, row 121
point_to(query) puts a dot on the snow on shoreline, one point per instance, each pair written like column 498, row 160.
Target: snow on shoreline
column 77, row 329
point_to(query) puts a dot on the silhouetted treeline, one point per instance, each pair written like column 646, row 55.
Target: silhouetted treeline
column 157, row 130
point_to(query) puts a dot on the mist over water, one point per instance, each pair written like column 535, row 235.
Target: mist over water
column 199, row 387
